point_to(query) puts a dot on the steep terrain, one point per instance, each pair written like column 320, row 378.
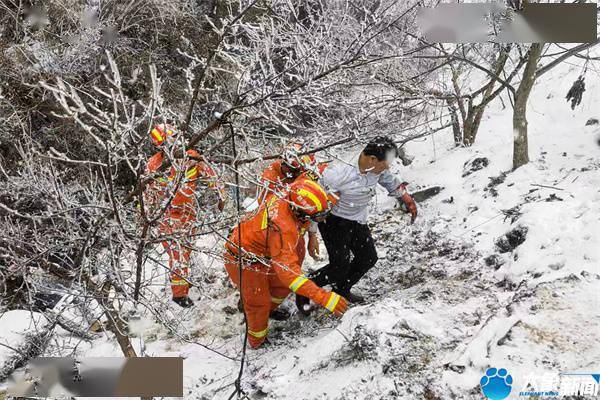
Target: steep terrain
column 499, row 270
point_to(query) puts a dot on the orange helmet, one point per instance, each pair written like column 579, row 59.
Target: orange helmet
column 160, row 132
column 309, row 198
column 292, row 158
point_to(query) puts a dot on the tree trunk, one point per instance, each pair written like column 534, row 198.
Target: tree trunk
column 468, row 132
column 472, row 126
column 454, row 109
column 458, row 139
column 520, row 148
column 475, row 113
column 115, row 323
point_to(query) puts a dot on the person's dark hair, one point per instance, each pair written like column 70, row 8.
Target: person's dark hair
column 379, row 147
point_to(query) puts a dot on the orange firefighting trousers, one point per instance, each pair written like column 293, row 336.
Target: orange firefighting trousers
column 179, row 249
column 262, row 292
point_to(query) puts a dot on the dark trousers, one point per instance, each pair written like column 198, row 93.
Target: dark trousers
column 351, row 253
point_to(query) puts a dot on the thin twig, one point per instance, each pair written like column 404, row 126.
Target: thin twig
column 548, row 187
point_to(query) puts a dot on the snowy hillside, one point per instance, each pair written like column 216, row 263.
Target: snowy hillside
column 445, row 303
column 447, row 299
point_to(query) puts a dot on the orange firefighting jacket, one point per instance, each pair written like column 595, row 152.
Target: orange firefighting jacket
column 196, row 172
column 271, row 234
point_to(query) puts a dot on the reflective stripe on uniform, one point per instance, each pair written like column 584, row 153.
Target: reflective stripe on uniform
column 265, row 220
column 179, row 282
column 191, row 173
column 312, row 197
column 297, row 283
column 277, row 300
column 333, row 301
column 259, row 334
column 157, row 135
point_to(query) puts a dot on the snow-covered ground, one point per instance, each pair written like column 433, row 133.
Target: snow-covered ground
column 444, row 303
column 439, row 315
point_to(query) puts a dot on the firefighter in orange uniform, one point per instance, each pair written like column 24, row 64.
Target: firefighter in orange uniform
column 174, row 199
column 277, row 177
column 270, row 261
column 281, row 173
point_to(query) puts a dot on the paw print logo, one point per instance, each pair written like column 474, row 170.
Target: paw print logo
column 496, row 384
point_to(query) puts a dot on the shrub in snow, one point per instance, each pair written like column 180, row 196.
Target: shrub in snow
column 495, row 181
column 475, row 165
column 494, row 260
column 361, row 346
column 511, row 239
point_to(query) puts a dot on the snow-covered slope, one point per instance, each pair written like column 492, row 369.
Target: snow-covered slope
column 441, row 309
column 445, row 302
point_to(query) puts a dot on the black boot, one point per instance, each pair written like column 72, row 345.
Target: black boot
column 303, row 304
column 279, row 314
column 354, row 298
column 184, row 302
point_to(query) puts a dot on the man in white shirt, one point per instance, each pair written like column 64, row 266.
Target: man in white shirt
column 345, row 232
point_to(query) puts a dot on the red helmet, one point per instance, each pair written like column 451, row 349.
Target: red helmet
column 160, row 132
column 292, row 158
column 309, row 198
